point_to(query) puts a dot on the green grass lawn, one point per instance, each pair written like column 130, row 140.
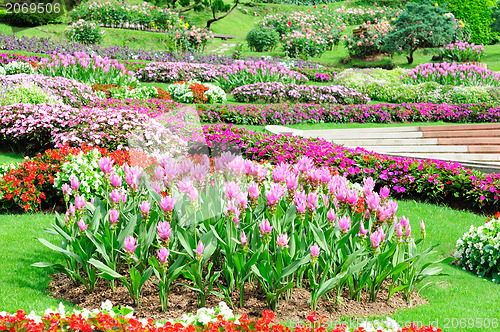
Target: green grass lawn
column 6, row 158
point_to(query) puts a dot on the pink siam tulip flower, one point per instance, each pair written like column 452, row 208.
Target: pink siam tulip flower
column 75, row 184
column 373, row 201
column 164, row 230
column 115, row 196
column 368, row 185
column 344, row 223
column 274, row 194
column 283, row 240
column 132, row 176
column 375, row 239
column 399, row 231
column 159, row 173
column 167, row 203
column 404, row 221
column 199, row 251
column 312, row 201
column 301, row 207
column 362, row 230
column 325, row 175
column 106, row 164
column 193, row 194
column 71, row 209
column 242, row 200
column 232, row 189
column 185, row 185
column 352, row 197
column 422, row 226
column 253, row 191
column 244, row 240
column 82, row 225
column 384, row 192
column 66, row 189
column 280, row 172
column 392, row 206
column 157, row 186
column 145, row 207
column 124, row 197
column 304, row 164
column 163, row 254
column 292, row 181
column 115, row 180
column 130, row 244
column 265, row 228
column 408, row 233
column 114, row 214
column 331, row 216
column 80, row 202
column 315, row 250
column 341, row 195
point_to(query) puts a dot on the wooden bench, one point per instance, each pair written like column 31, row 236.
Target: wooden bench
column 224, row 37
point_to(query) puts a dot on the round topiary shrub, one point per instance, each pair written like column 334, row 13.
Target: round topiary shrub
column 262, row 38
column 84, row 32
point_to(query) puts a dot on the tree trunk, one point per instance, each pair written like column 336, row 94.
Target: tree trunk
column 215, row 19
column 410, row 56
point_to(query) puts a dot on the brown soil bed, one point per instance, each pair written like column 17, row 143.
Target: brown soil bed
column 183, row 300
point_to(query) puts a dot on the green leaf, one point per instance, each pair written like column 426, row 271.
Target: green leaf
column 61, row 250
column 106, row 270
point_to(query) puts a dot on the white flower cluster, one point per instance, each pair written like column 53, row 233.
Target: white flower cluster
column 18, row 67
column 208, row 315
column 182, row 93
column 2, row 71
column 86, row 168
column 478, row 250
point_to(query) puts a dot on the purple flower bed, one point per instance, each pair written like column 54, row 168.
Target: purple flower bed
column 45, row 46
column 430, row 180
column 284, row 114
column 275, row 92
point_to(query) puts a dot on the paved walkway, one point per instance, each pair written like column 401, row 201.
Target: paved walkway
column 474, row 145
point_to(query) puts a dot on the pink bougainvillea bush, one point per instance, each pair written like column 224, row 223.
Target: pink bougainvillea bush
column 69, row 91
column 275, row 92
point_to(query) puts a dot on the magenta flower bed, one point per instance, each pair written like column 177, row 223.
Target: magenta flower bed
column 430, row 180
column 275, row 92
column 284, row 114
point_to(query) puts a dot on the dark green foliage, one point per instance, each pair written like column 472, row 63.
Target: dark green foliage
column 40, row 16
column 420, row 25
column 495, row 15
column 261, row 38
column 477, row 13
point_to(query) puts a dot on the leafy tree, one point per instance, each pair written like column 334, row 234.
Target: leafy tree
column 495, row 26
column 420, row 25
column 214, row 6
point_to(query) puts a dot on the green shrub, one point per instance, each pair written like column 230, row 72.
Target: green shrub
column 262, row 38
column 495, row 15
column 420, row 25
column 477, row 13
column 84, row 33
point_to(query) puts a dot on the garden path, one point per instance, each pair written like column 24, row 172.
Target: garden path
column 473, row 145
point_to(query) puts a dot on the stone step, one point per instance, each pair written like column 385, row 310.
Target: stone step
column 416, row 148
column 467, row 127
column 461, row 133
column 459, row 157
column 388, row 141
column 469, row 141
column 363, row 135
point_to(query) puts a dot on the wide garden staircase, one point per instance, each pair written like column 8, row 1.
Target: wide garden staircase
column 473, row 145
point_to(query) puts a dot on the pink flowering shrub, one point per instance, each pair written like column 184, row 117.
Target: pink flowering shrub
column 430, row 180
column 369, row 43
column 71, row 92
column 285, row 114
column 359, row 15
column 35, row 128
column 275, row 92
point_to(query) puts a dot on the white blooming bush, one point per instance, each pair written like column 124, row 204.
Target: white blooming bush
column 85, row 167
column 18, row 67
column 189, row 92
column 2, row 71
column 478, row 249
column 123, row 92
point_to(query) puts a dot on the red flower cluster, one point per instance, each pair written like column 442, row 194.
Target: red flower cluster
column 199, row 93
column 31, row 184
column 106, row 323
column 162, row 94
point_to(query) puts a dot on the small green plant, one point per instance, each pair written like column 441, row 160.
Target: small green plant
column 262, row 38
column 84, row 32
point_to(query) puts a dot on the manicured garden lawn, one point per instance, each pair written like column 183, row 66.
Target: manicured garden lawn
column 6, row 158
column 23, row 286
column 451, row 296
